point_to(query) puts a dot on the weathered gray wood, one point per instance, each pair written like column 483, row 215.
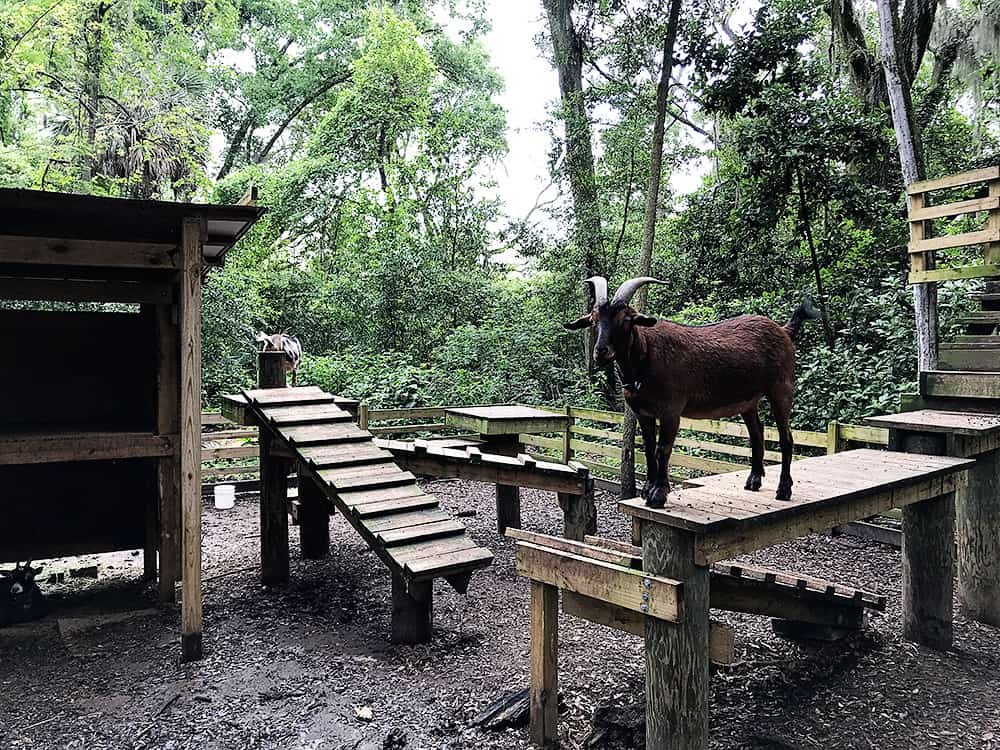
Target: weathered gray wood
column 677, row 654
column 977, row 518
column 508, row 496
column 314, row 520
column 579, row 514
column 273, row 484
column 544, row 688
column 412, row 610
column 928, row 571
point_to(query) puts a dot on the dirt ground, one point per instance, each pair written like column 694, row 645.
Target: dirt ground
column 301, row 666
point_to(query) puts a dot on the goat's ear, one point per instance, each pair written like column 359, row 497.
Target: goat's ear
column 582, row 322
column 643, row 320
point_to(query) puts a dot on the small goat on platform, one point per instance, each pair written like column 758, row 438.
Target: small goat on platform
column 670, row 371
column 282, row 342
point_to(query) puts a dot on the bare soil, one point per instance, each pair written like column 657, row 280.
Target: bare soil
column 309, row 666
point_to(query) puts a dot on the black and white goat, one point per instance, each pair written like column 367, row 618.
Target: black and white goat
column 282, row 342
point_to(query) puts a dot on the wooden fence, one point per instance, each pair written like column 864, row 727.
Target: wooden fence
column 593, row 438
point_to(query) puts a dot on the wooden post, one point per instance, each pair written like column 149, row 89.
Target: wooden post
column 579, row 513
column 412, row 610
column 929, row 571
column 314, row 520
column 192, row 235
column 833, row 437
column 363, row 415
column 567, row 451
column 677, row 654
column 544, row 688
column 508, row 496
column 273, row 484
column 977, row 518
column 167, row 410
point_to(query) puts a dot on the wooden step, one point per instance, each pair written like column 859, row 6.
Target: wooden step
column 356, row 498
column 378, row 524
column 960, row 384
column 974, row 357
column 411, row 534
column 289, row 396
column 983, row 317
column 323, row 434
column 286, row 416
column 449, row 563
column 974, row 339
column 344, row 454
column 395, row 477
column 405, row 553
column 395, row 505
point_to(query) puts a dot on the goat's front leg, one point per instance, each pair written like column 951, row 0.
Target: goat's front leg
column 781, row 407
column 648, row 427
column 756, row 430
column 661, row 487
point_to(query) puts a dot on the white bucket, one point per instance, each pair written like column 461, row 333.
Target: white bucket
column 225, row 496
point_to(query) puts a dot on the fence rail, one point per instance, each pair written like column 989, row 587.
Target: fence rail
column 704, row 446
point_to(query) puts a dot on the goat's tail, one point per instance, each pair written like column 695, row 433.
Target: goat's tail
column 805, row 311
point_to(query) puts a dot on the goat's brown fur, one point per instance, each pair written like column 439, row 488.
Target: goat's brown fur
column 671, row 371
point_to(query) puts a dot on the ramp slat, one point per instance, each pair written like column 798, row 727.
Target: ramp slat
column 450, row 562
column 423, row 531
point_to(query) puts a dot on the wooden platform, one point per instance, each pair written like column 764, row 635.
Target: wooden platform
column 828, row 491
column 402, row 524
column 966, row 424
column 504, row 420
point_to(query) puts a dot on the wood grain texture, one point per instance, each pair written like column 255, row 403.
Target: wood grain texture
column 928, row 571
column 544, row 689
column 190, row 435
column 977, row 520
column 677, row 662
column 167, row 423
column 314, row 520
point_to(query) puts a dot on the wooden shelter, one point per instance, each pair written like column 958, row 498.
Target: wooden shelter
column 100, row 409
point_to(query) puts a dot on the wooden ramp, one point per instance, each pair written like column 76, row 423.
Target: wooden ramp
column 405, row 526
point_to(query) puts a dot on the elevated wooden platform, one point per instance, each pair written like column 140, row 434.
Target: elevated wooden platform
column 338, row 464
column 829, row 490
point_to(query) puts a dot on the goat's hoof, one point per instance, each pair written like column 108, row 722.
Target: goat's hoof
column 646, row 489
column 784, row 492
column 753, row 482
column 657, row 497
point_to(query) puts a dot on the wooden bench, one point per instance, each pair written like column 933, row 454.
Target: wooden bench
column 340, row 467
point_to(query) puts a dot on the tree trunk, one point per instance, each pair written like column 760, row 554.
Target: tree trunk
column 911, row 161
column 627, row 475
column 93, row 35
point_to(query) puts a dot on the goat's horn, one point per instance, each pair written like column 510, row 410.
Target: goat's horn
column 630, row 287
column 600, row 286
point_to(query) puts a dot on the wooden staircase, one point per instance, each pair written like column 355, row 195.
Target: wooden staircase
column 978, row 349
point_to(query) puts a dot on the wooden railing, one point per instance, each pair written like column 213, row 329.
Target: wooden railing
column 593, row 438
column 924, row 248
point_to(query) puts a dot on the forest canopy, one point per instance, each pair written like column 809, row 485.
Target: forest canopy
column 373, row 133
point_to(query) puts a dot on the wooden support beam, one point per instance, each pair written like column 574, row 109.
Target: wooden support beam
column 192, row 234
column 314, row 519
column 412, row 610
column 72, row 252
column 977, row 521
column 85, row 290
column 544, row 689
column 168, row 468
column 508, row 496
column 579, row 513
column 677, row 661
column 84, row 446
column 928, row 571
column 273, row 484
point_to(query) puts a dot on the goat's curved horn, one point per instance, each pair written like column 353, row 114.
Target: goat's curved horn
column 630, row 287
column 599, row 285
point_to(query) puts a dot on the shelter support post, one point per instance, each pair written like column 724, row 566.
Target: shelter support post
column 544, row 688
column 192, row 237
column 508, row 496
column 314, row 519
column 412, row 610
column 168, row 470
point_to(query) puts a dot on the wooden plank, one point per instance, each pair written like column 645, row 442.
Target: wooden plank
column 370, row 481
column 605, row 554
column 85, row 446
column 85, row 290
column 307, row 414
column 405, row 553
column 954, row 209
column 357, row 498
column 955, row 180
column 420, row 412
column 459, row 465
column 73, row 252
column 721, row 637
column 299, row 396
column 411, row 534
column 344, row 454
column 658, row 597
column 189, row 331
column 544, row 687
column 169, row 467
column 960, row 384
column 935, row 420
column 377, row 524
column 324, row 434
column 404, row 429
column 449, row 563
column 982, row 271
column 395, row 504
column 949, row 241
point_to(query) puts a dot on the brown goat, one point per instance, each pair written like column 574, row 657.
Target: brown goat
column 670, row 371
